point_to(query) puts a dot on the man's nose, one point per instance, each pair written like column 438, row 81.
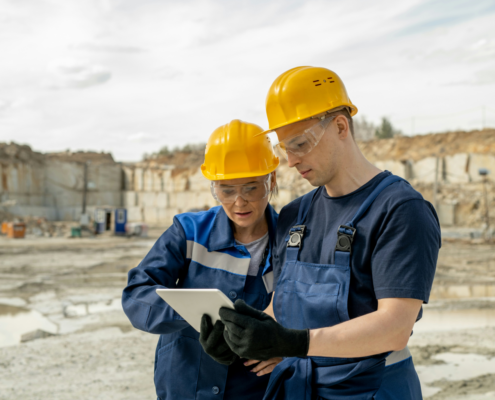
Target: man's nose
column 292, row 159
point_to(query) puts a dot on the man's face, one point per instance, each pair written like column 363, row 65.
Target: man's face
column 321, row 163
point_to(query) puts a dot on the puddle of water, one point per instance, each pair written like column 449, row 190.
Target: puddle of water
column 457, row 367
column 446, row 320
column 16, row 321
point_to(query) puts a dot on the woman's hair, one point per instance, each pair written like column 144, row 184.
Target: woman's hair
column 274, row 192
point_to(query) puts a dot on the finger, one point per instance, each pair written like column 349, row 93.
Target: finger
column 227, row 314
column 206, row 326
column 262, row 365
column 230, row 316
column 242, row 308
column 267, row 370
column 216, row 334
column 234, row 329
column 232, row 344
column 230, row 330
column 251, row 362
column 219, row 326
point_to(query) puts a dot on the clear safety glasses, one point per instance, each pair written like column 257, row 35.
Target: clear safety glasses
column 256, row 190
column 302, row 144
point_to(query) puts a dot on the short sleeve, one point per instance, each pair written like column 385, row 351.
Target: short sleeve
column 405, row 256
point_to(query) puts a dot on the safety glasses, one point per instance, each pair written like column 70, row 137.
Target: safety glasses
column 303, row 143
column 256, row 190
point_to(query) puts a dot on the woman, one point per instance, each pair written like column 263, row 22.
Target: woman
column 227, row 247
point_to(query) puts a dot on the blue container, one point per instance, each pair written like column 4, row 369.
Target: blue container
column 120, row 221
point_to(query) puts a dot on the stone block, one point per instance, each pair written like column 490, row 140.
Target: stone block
column 150, row 215
column 130, row 199
column 446, row 214
column 456, row 168
column 161, row 200
column 157, row 180
column 424, row 170
column 138, row 180
column 135, row 214
column 147, row 180
column 147, row 199
column 396, row 167
column 128, row 178
column 166, row 216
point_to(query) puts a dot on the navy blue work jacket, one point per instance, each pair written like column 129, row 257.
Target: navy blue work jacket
column 197, row 251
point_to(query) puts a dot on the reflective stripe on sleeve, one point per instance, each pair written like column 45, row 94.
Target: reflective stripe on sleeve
column 216, row 259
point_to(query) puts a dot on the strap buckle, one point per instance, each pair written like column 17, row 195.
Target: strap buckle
column 344, row 239
column 296, row 235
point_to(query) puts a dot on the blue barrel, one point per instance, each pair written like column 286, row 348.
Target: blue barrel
column 120, row 221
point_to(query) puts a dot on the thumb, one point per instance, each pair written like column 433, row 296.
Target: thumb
column 242, row 308
column 206, row 325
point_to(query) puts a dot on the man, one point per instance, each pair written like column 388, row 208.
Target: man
column 354, row 260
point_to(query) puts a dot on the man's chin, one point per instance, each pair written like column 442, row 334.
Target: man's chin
column 311, row 178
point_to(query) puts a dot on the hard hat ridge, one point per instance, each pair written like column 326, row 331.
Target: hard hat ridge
column 303, row 92
column 236, row 150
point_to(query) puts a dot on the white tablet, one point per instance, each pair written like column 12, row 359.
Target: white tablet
column 191, row 304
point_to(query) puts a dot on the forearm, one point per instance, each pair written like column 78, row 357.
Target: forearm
column 150, row 313
column 269, row 309
column 387, row 329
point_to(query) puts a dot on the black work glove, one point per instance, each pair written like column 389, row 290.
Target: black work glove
column 254, row 335
column 213, row 342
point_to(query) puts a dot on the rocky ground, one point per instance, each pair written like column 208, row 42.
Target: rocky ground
column 70, row 289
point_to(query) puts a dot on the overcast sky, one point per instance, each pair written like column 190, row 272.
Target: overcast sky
column 131, row 76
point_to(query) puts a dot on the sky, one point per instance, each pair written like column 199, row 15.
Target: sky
column 132, row 76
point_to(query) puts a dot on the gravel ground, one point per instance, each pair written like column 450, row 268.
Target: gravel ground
column 75, row 285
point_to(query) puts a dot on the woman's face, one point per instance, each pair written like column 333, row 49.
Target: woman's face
column 243, row 211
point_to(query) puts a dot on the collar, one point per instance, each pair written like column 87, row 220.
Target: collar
column 222, row 236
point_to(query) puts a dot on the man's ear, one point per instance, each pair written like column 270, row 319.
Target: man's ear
column 343, row 126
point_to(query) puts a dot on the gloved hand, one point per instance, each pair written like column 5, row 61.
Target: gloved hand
column 254, row 335
column 213, row 342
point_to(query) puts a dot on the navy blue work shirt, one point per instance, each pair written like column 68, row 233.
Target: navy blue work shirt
column 395, row 250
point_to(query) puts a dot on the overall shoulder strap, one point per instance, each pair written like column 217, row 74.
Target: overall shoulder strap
column 305, row 205
column 296, row 233
column 345, row 233
column 371, row 198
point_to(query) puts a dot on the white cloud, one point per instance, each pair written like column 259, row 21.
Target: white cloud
column 141, row 137
column 107, row 48
column 77, row 73
column 180, row 69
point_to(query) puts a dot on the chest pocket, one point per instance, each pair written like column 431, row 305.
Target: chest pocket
column 303, row 301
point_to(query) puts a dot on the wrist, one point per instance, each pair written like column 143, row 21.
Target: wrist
column 300, row 343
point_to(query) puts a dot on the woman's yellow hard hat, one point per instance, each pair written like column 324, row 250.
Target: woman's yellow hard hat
column 236, row 150
column 303, row 92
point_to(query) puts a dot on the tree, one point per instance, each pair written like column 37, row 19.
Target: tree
column 363, row 129
column 386, row 130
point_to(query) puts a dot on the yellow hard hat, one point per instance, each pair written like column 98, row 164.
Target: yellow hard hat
column 236, row 150
column 304, row 92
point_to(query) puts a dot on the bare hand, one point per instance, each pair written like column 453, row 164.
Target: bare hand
column 264, row 367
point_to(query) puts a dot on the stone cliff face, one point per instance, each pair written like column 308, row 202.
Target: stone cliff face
column 51, row 185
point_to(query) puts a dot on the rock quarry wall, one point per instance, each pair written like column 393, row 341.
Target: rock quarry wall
column 153, row 191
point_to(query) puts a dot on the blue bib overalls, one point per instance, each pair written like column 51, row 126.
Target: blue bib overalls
column 311, row 296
